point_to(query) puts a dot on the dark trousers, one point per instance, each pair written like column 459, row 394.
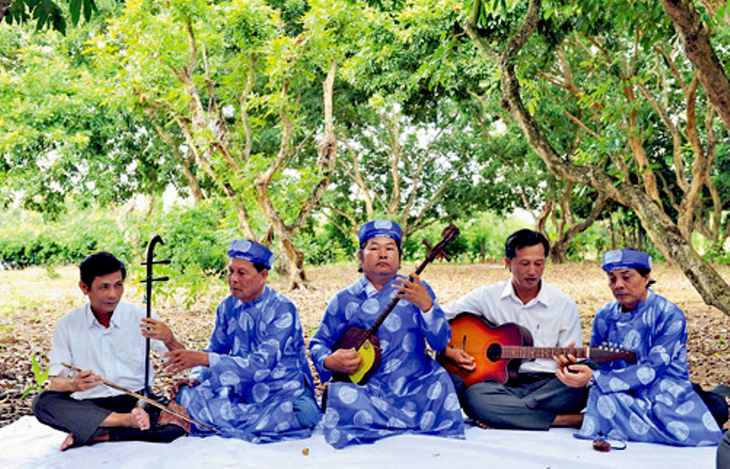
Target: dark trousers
column 530, row 402
column 715, row 401
column 723, row 452
column 83, row 418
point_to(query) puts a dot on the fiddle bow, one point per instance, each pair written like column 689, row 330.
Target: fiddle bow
column 147, row 400
column 365, row 341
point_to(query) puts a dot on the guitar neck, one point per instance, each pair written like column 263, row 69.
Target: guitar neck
column 509, row 352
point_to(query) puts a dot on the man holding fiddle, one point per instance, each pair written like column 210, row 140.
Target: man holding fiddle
column 103, row 338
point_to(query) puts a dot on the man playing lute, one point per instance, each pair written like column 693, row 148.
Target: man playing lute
column 409, row 392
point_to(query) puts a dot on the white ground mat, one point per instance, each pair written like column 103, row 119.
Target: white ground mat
column 28, row 444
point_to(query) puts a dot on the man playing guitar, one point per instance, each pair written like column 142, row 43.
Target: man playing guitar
column 535, row 399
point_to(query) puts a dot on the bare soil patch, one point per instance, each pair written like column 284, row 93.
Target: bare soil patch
column 32, row 301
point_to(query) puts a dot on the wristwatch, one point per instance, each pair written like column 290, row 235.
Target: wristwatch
column 591, row 381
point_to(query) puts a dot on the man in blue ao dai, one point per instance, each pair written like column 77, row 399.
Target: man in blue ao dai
column 652, row 400
column 410, row 392
column 252, row 381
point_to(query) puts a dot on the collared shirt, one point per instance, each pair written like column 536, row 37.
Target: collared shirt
column 117, row 353
column 551, row 317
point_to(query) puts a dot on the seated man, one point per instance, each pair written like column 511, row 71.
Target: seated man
column 536, row 399
column 252, row 381
column 103, row 336
column 409, row 392
column 651, row 400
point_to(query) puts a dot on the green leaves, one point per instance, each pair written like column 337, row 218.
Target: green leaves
column 76, row 6
column 40, row 377
column 48, row 13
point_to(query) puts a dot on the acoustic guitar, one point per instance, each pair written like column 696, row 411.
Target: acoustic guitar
column 497, row 350
column 365, row 341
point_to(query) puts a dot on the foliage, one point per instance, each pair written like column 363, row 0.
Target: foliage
column 58, row 139
column 47, row 13
column 27, row 239
column 40, row 377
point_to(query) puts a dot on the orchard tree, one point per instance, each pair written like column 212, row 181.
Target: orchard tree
column 650, row 133
column 417, row 150
column 250, row 94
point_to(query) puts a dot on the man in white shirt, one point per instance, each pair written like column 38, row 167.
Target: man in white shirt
column 536, row 399
column 105, row 337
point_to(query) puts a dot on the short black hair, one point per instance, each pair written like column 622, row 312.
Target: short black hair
column 644, row 272
column 524, row 238
column 260, row 266
column 98, row 264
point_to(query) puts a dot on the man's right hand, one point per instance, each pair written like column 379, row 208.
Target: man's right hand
column 460, row 358
column 85, row 380
column 343, row 361
column 181, row 360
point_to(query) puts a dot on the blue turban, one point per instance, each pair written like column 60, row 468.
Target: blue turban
column 625, row 259
column 250, row 251
column 380, row 228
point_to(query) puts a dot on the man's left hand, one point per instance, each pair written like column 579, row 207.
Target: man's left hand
column 180, row 360
column 570, row 372
column 414, row 291
column 154, row 329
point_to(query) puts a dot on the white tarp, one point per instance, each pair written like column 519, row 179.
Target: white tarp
column 28, row 444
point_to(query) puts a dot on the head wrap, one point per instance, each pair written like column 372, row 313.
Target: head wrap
column 250, row 251
column 378, row 228
column 625, row 259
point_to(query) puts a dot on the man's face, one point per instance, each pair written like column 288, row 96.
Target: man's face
column 380, row 257
column 527, row 267
column 245, row 282
column 628, row 286
column 105, row 293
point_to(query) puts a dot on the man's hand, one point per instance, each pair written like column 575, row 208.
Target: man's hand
column 570, row 373
column 84, row 380
column 415, row 292
column 343, row 361
column 460, row 358
column 183, row 382
column 154, row 329
column 180, row 360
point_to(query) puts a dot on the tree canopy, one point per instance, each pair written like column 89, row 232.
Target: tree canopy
column 304, row 113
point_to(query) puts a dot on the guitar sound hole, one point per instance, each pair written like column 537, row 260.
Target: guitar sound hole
column 494, row 352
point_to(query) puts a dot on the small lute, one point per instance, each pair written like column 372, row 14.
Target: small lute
column 365, row 341
column 497, row 350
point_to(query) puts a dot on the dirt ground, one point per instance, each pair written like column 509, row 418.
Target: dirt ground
column 32, row 301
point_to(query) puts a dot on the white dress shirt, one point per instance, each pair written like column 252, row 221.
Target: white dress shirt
column 551, row 317
column 117, row 353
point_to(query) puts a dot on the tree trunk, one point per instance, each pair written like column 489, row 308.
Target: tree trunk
column 293, row 264
column 560, row 245
column 696, row 41
column 558, row 251
column 4, row 8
